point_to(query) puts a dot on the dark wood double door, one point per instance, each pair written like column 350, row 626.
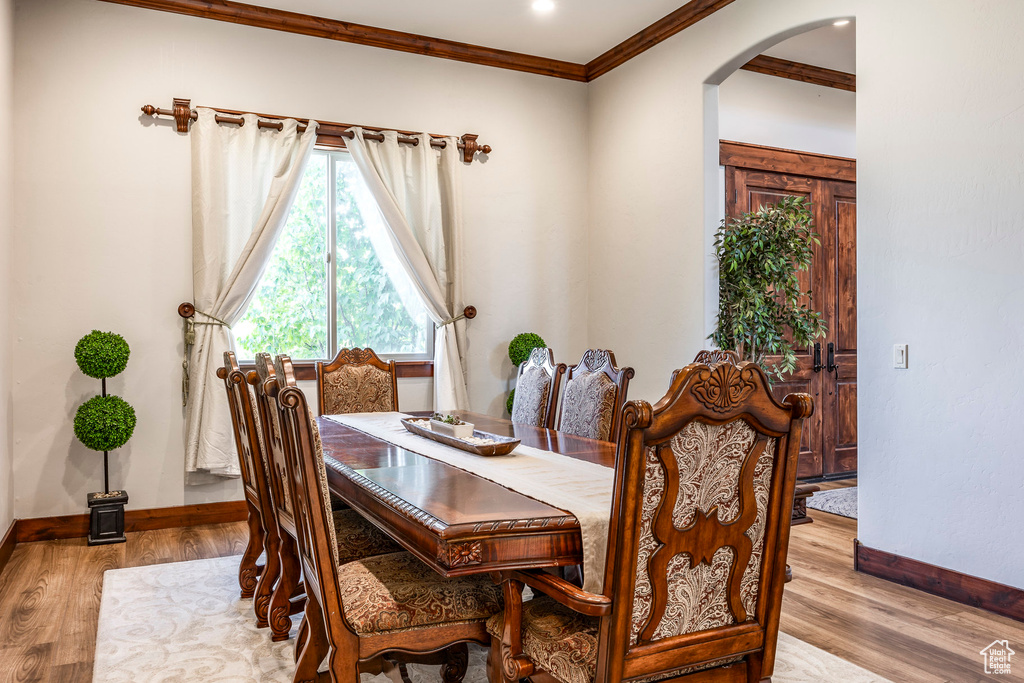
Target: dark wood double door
column 759, row 176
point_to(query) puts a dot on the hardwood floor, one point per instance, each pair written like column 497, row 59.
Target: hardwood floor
column 50, row 593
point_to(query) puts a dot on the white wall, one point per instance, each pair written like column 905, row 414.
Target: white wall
column 103, row 236
column 6, row 261
column 780, row 112
column 940, row 242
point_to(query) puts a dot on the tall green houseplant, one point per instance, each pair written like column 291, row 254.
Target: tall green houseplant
column 760, row 312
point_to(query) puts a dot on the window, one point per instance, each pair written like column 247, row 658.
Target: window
column 333, row 280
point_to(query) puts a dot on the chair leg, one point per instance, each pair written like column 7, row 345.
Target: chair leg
column 280, row 603
column 456, row 663
column 315, row 645
column 267, row 583
column 302, row 637
column 247, row 570
column 494, row 672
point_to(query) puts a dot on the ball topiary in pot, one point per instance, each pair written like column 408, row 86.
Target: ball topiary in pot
column 104, row 423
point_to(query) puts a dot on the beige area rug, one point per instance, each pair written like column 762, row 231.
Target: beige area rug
column 184, row 622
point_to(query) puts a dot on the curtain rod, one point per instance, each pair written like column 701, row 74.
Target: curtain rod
column 328, row 134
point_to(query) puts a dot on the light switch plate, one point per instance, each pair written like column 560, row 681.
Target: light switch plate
column 899, row 356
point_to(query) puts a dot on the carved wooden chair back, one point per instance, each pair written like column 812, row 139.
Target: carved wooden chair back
column 314, row 520
column 251, row 460
column 595, row 391
column 280, row 595
column 700, row 525
column 537, row 385
column 280, row 488
column 356, row 381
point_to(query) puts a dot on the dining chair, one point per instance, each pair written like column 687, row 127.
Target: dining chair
column 595, row 391
column 358, row 611
column 254, row 473
column 536, row 394
column 697, row 546
column 280, row 591
column 356, row 381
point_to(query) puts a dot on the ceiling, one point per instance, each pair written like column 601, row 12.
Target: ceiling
column 576, row 31
column 833, row 47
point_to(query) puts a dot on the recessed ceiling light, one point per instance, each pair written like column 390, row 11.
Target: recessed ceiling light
column 543, row 6
column 841, row 22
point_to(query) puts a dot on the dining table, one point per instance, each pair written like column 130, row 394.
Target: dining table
column 457, row 522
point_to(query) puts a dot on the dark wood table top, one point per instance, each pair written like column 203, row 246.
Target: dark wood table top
column 453, row 520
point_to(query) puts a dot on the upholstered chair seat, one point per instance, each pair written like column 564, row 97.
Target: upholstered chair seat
column 358, row 538
column 397, row 592
column 563, row 642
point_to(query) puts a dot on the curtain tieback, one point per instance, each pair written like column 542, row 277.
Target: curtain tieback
column 190, row 339
column 469, row 312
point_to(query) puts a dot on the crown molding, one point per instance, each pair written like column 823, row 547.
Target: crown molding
column 372, row 36
column 797, row 71
column 360, row 34
column 661, row 30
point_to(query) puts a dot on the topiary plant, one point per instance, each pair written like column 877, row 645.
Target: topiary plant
column 511, row 399
column 762, row 311
column 521, row 345
column 102, row 354
column 104, row 423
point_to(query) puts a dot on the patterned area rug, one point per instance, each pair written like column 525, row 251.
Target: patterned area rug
column 837, row 501
column 184, row 622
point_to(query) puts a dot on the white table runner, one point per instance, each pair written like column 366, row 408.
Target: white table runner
column 583, row 488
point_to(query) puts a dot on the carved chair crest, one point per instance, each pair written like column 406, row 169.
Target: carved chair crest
column 537, row 385
column 356, row 381
column 595, row 391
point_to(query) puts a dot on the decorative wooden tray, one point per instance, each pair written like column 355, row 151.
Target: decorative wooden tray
column 503, row 445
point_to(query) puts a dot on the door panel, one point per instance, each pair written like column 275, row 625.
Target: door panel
column 829, row 443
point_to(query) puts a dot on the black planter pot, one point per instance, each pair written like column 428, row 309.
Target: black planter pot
column 106, row 517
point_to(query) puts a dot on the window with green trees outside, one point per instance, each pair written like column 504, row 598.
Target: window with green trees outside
column 333, row 281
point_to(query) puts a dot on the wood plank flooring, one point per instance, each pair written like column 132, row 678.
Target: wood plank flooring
column 50, row 592
column 50, row 595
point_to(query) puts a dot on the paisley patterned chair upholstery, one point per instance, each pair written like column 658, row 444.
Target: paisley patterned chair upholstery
column 537, row 389
column 356, row 381
column 278, row 592
column 595, row 391
column 361, row 610
column 697, row 558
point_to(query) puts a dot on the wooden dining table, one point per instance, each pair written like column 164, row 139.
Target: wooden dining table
column 456, row 522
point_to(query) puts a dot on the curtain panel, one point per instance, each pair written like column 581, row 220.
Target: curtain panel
column 244, row 181
column 418, row 191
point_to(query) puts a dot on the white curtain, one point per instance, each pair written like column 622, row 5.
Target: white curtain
column 418, row 191
column 244, row 180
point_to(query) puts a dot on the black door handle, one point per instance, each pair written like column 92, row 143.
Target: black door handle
column 817, row 357
column 832, row 366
